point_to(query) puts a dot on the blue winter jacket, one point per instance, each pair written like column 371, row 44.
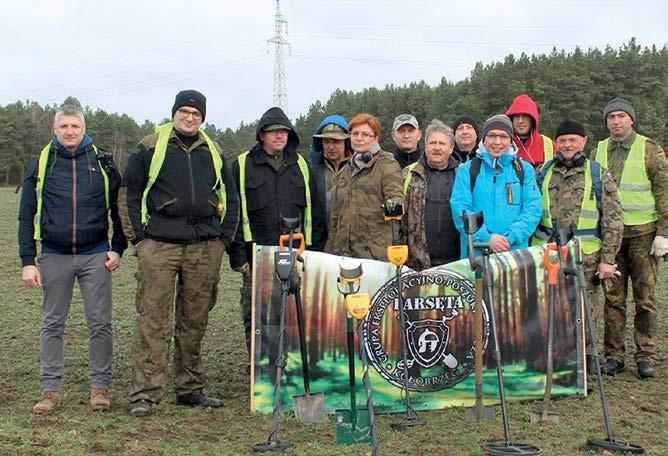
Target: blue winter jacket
column 317, row 162
column 510, row 209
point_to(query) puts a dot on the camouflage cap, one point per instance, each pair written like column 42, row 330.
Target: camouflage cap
column 405, row 119
column 332, row 131
column 274, row 127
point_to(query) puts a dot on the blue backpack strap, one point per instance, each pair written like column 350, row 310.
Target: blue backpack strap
column 597, row 183
column 543, row 171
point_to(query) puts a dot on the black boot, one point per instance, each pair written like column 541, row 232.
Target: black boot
column 612, row 367
column 646, row 369
column 198, row 399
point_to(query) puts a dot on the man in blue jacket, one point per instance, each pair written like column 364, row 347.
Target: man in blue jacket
column 500, row 185
column 68, row 194
column 330, row 151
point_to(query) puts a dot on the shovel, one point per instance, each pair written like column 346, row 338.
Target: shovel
column 309, row 408
column 552, row 278
column 479, row 412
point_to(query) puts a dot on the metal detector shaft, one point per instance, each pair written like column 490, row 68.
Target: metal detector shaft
column 410, row 414
column 351, row 370
column 592, row 344
column 497, row 351
column 280, row 364
column 549, row 371
column 369, row 397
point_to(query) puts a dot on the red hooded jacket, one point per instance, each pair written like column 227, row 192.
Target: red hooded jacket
column 533, row 149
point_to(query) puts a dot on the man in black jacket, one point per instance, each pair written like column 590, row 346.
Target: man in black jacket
column 466, row 133
column 69, row 192
column 180, row 210
column 406, row 135
column 273, row 181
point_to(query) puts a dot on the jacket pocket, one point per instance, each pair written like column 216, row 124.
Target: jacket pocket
column 298, row 190
column 258, row 196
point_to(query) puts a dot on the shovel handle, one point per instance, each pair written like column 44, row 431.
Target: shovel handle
column 478, row 331
column 302, row 342
column 284, row 239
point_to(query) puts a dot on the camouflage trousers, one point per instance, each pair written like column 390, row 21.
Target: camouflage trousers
column 179, row 282
column 635, row 263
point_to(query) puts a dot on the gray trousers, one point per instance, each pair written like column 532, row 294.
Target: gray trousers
column 58, row 274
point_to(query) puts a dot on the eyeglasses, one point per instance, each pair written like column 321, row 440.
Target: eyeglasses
column 361, row 134
column 185, row 113
column 493, row 137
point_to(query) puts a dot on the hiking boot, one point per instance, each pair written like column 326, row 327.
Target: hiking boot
column 646, row 369
column 612, row 367
column 49, row 402
column 142, row 408
column 100, row 399
column 198, row 398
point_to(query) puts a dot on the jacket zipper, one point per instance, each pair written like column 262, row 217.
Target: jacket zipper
column 74, row 205
column 192, row 185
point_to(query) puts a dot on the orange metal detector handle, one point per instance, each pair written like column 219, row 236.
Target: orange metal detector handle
column 553, row 268
column 285, row 238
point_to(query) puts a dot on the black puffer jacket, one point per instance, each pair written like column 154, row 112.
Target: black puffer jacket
column 182, row 202
column 272, row 193
column 74, row 212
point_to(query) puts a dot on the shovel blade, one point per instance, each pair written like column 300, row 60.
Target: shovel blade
column 310, row 408
column 540, row 417
column 349, row 433
column 480, row 413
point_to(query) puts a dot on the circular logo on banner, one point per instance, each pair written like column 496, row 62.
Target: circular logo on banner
column 439, row 330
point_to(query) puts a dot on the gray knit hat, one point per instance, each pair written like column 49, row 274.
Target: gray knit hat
column 619, row 104
column 498, row 122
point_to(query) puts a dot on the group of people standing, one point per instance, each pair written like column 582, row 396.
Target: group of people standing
column 180, row 206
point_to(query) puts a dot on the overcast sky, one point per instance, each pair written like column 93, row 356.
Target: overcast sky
column 133, row 56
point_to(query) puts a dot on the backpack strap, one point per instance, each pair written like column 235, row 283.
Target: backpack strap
column 597, row 183
column 519, row 170
column 543, row 171
column 476, row 163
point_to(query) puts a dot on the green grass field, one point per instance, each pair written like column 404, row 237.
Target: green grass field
column 638, row 408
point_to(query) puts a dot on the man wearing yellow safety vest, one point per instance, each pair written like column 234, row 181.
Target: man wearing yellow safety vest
column 273, row 181
column 69, row 193
column 579, row 193
column 638, row 165
column 179, row 209
column 532, row 146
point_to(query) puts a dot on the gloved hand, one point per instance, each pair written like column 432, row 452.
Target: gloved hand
column 659, row 247
column 244, row 269
column 393, row 207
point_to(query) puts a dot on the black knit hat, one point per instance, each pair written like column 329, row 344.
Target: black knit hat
column 619, row 104
column 570, row 127
column 191, row 98
column 466, row 119
column 498, row 122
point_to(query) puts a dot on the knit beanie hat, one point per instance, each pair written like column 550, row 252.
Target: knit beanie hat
column 570, row 127
column 619, row 104
column 191, row 98
column 498, row 122
column 466, row 119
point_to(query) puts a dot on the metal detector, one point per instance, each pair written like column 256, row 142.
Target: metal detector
column 507, row 447
column 393, row 211
column 478, row 412
column 356, row 425
column 609, row 444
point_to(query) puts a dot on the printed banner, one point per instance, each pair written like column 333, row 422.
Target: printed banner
column 439, row 330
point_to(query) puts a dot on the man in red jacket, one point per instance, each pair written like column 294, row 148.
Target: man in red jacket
column 532, row 146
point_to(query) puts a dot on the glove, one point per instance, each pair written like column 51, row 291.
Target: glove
column 659, row 247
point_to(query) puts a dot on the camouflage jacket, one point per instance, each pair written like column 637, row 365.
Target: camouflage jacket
column 566, row 189
column 413, row 229
column 358, row 228
column 657, row 172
